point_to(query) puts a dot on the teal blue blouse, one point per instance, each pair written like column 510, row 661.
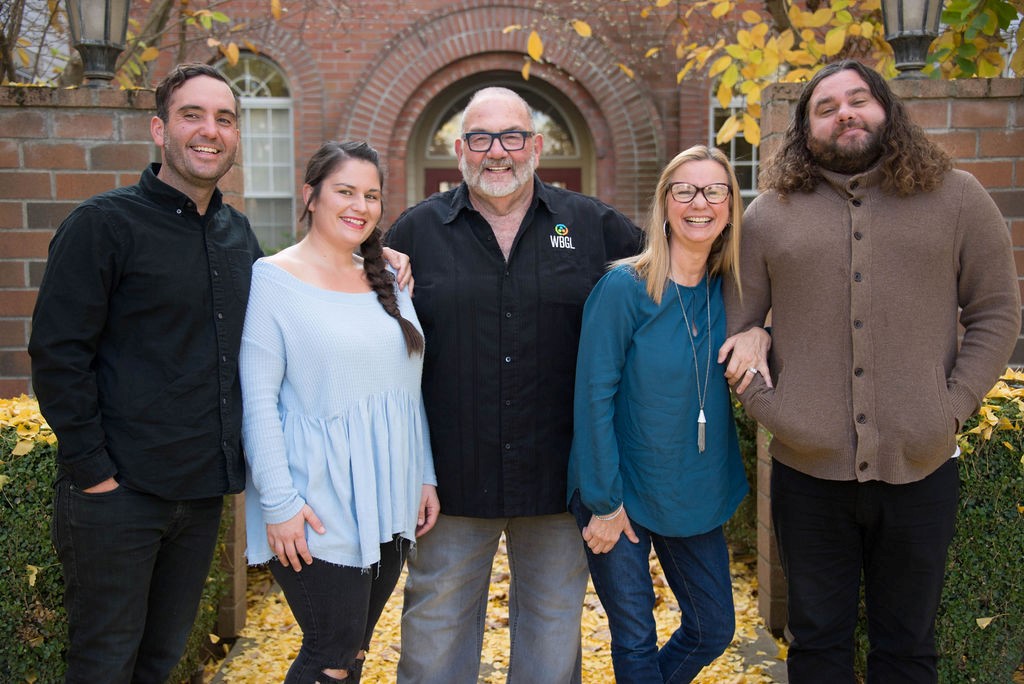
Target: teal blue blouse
column 636, row 408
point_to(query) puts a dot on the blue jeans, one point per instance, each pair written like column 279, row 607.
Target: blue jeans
column 697, row 571
column 446, row 600
column 337, row 608
column 134, row 570
column 829, row 532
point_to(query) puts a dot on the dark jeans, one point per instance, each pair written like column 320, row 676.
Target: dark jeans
column 337, row 608
column 897, row 535
column 134, row 570
column 697, row 571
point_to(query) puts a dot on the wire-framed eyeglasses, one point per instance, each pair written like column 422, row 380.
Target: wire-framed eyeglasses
column 511, row 141
column 716, row 193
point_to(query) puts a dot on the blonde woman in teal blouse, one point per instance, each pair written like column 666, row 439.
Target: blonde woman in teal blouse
column 655, row 459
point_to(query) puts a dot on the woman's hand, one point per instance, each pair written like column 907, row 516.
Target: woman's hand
column 430, row 507
column 748, row 356
column 288, row 539
column 401, row 263
column 602, row 535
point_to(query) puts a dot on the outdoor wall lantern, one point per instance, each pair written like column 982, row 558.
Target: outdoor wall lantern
column 910, row 27
column 98, row 29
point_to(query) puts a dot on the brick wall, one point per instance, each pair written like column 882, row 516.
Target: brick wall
column 981, row 124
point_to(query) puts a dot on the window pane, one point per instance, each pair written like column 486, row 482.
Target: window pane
column 272, row 222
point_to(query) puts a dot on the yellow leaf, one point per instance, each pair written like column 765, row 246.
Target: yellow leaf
column 986, row 69
column 719, row 65
column 23, row 56
column 867, row 29
column 752, row 17
column 212, row 42
column 985, row 621
column 737, row 51
column 582, row 28
column 526, row 70
column 651, row 52
column 149, row 54
column 743, row 38
column 834, row 40
column 22, row 448
column 721, row 9
column 820, row 18
column 535, row 46
column 751, row 130
column 249, row 45
column 662, row 3
column 231, row 52
column 626, row 70
column 758, row 34
column 730, row 76
column 728, row 130
column 275, row 9
column 724, row 95
column 32, row 572
column 682, row 72
column 214, row 639
column 511, row 27
column 3, row 481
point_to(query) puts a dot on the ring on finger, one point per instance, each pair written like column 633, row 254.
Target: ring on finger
column 753, row 371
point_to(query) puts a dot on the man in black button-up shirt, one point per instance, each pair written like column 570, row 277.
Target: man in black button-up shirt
column 503, row 266
column 134, row 361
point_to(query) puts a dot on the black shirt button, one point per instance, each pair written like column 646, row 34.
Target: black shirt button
column 856, row 277
column 861, row 418
column 220, row 316
column 508, row 402
column 508, row 446
column 858, row 372
column 858, row 324
column 508, row 314
column 856, row 202
column 857, row 235
column 863, row 466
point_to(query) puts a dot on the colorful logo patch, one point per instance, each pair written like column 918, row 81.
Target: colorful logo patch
column 561, row 238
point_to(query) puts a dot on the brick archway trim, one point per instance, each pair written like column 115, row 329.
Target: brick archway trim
column 467, row 38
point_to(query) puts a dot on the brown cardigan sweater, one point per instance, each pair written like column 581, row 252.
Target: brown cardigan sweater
column 864, row 289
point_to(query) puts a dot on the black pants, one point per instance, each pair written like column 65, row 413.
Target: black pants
column 828, row 533
column 134, row 570
column 337, row 608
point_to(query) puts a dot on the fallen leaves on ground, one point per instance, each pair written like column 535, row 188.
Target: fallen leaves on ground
column 271, row 638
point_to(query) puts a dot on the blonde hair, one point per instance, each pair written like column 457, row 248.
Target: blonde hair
column 652, row 264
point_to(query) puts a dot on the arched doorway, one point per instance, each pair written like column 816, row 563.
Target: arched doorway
column 567, row 159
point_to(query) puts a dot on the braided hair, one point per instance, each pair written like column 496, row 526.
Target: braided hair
column 322, row 164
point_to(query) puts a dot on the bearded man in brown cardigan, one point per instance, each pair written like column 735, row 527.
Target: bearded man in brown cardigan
column 869, row 249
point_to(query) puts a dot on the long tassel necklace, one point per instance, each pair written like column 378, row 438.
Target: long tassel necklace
column 702, row 395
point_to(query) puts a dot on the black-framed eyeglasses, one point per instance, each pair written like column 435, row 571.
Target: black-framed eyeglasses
column 716, row 193
column 511, row 141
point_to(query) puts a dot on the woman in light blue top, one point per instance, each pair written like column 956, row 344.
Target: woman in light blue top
column 655, row 458
column 341, row 478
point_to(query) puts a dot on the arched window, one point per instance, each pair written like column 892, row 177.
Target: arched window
column 267, row 148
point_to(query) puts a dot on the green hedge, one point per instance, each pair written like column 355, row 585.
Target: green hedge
column 984, row 581
column 33, row 625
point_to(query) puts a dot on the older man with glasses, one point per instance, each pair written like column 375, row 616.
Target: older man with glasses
column 503, row 264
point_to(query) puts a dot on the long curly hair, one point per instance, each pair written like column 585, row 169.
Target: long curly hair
column 322, row 164
column 909, row 163
column 653, row 263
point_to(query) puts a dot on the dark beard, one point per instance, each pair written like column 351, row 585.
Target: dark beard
column 846, row 160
